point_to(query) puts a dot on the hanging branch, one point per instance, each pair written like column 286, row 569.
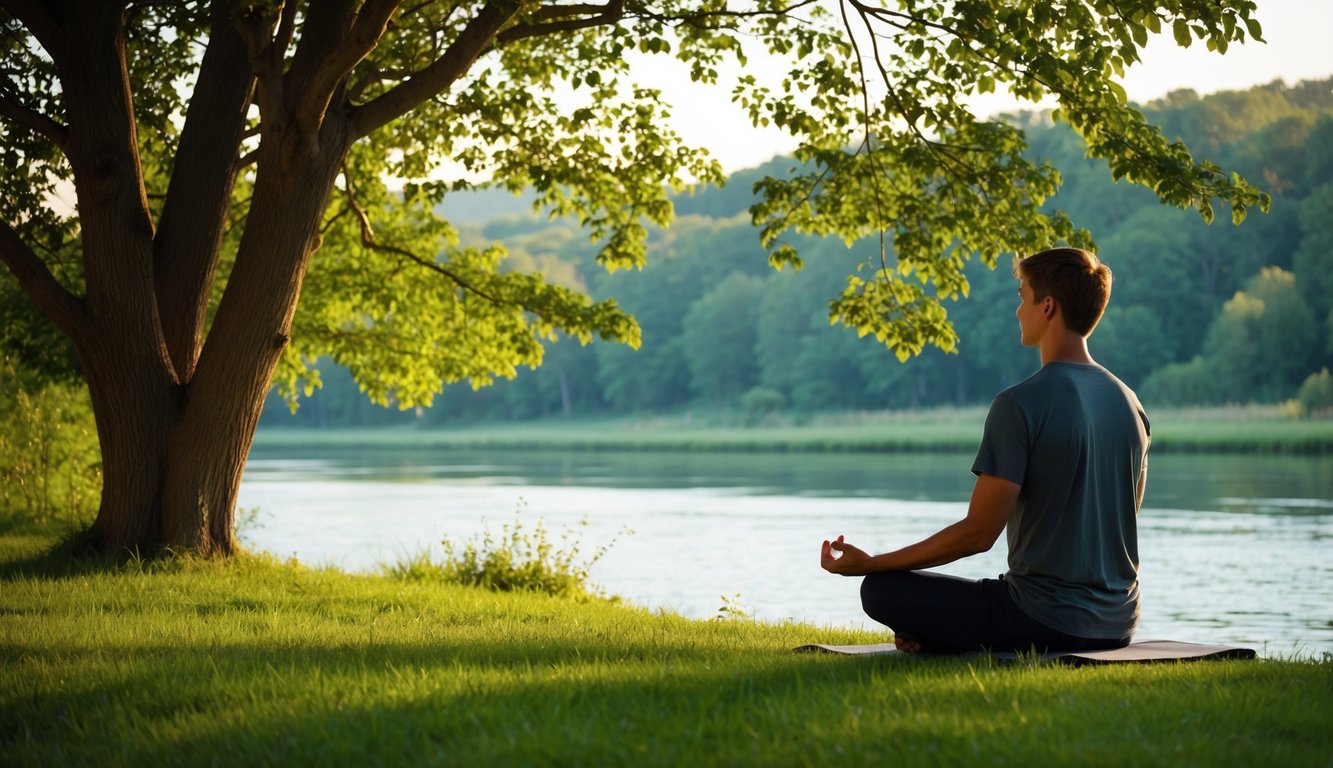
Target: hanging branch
column 63, row 308
column 553, row 19
column 368, row 241
column 869, row 147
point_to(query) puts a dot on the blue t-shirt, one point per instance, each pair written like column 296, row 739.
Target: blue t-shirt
column 1076, row 439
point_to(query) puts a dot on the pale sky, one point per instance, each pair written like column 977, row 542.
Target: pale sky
column 1299, row 35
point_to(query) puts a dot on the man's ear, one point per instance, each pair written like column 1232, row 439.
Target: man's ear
column 1048, row 307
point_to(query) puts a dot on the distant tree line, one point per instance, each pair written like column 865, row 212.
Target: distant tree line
column 1200, row 314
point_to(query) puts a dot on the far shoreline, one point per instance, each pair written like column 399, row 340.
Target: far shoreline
column 1224, row 430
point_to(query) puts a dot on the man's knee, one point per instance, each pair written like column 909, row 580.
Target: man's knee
column 881, row 594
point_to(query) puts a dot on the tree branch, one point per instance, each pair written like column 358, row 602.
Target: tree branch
column 63, row 308
column 487, row 31
column 805, row 199
column 247, row 160
column 189, row 235
column 475, row 38
column 876, row 175
column 56, row 132
column 286, row 25
column 554, row 19
column 891, row 18
column 265, row 54
column 377, row 337
column 698, row 16
column 365, row 33
column 991, row 56
column 368, row 241
column 36, row 17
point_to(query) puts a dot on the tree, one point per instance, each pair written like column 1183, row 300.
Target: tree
column 1328, row 338
column 828, row 361
column 718, row 335
column 1288, row 338
column 779, row 331
column 1132, row 341
column 1154, row 266
column 656, row 375
column 1265, row 342
column 232, row 157
column 794, row 306
column 1189, row 383
column 1313, row 261
column 990, row 340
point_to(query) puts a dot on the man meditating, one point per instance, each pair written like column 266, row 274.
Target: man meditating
column 1062, row 465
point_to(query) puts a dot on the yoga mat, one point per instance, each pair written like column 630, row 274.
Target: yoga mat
column 1142, row 652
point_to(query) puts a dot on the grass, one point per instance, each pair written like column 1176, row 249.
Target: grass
column 258, row 662
column 1235, row 429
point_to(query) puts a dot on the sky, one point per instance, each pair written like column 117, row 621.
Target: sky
column 1299, row 47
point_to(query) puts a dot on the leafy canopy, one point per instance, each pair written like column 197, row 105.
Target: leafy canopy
column 876, row 95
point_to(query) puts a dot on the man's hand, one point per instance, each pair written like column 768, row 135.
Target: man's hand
column 849, row 561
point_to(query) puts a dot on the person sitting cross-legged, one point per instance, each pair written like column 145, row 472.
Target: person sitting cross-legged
column 1062, row 466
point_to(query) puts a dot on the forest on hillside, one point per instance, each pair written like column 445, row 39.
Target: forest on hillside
column 1200, row 313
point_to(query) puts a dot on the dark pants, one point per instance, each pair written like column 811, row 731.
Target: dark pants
column 946, row 614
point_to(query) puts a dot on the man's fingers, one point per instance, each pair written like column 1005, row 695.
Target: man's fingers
column 831, row 554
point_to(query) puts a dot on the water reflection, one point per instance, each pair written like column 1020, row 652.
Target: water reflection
column 1233, row 548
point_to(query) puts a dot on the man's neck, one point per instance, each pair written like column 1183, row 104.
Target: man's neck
column 1065, row 347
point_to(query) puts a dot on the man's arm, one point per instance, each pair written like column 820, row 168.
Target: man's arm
column 1143, row 484
column 993, row 499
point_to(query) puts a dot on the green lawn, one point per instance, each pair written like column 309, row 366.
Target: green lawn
column 257, row 662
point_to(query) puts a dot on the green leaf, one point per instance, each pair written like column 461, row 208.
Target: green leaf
column 1181, row 30
column 1140, row 35
column 1238, row 213
column 1256, row 31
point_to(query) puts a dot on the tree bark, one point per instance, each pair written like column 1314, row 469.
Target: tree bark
column 118, row 335
column 189, row 237
column 223, row 400
column 176, row 417
column 176, row 409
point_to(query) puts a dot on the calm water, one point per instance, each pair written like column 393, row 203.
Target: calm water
column 1234, row 549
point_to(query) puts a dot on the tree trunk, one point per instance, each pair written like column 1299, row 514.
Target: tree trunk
column 176, row 408
column 223, row 401
column 133, row 397
column 115, row 328
column 173, row 454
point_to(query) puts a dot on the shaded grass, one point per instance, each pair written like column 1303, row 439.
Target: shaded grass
column 259, row 662
column 1240, row 429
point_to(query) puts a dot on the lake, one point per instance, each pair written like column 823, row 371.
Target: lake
column 1233, row 549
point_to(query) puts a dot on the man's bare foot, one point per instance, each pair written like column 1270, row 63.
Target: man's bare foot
column 906, row 644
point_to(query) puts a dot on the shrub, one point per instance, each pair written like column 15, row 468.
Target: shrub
column 760, row 402
column 1316, row 394
column 518, row 559
column 1191, row 383
column 50, row 467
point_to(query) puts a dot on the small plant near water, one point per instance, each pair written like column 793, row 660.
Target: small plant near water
column 731, row 608
column 517, row 559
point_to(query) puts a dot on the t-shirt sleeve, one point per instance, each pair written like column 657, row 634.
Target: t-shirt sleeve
column 1004, row 443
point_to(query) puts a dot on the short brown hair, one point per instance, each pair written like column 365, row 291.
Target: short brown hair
column 1075, row 278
